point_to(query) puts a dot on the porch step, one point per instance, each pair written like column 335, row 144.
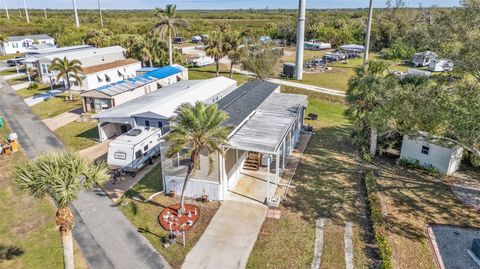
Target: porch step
column 253, row 161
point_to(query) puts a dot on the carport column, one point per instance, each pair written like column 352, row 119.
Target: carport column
column 268, row 175
column 283, row 153
column 277, row 168
column 100, row 135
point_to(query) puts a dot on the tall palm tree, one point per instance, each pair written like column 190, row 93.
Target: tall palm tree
column 234, row 49
column 216, row 48
column 366, row 96
column 200, row 128
column 168, row 26
column 147, row 51
column 62, row 176
column 66, row 70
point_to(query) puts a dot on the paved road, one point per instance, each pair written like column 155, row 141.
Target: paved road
column 308, row 87
column 106, row 238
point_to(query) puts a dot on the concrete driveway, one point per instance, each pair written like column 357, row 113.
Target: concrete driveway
column 63, row 119
column 229, row 238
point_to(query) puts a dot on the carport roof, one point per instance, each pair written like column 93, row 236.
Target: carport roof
column 266, row 129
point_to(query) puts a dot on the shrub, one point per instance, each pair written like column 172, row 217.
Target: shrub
column 415, row 164
column 32, row 86
column 378, row 221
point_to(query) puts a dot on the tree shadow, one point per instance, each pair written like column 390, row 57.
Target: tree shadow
column 10, row 252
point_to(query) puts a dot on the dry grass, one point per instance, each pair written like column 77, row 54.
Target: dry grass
column 326, row 186
column 414, row 200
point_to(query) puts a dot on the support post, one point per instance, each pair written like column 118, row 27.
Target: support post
column 100, row 133
column 277, row 168
column 178, row 159
column 369, row 29
column 300, row 39
column 284, row 149
column 268, row 175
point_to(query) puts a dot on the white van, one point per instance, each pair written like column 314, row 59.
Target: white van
column 133, row 150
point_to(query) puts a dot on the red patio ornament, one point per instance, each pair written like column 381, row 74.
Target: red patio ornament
column 171, row 221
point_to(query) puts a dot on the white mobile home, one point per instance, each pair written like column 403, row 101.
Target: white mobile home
column 133, row 150
column 19, row 44
column 445, row 158
column 115, row 94
column 267, row 126
column 440, row 65
column 422, row 59
column 155, row 108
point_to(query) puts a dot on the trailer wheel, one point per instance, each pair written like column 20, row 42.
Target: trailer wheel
column 151, row 160
column 133, row 174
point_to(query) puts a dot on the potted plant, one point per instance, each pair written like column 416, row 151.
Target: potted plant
column 171, row 193
column 204, row 198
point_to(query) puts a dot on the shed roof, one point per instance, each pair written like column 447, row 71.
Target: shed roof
column 23, row 37
column 265, row 130
column 240, row 103
column 163, row 103
column 164, row 72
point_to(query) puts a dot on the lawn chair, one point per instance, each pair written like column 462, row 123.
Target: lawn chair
column 312, row 116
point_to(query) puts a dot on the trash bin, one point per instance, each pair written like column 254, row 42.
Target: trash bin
column 2, row 123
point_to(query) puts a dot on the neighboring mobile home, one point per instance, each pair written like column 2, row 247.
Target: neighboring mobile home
column 155, row 108
column 445, row 158
column 120, row 92
column 19, row 44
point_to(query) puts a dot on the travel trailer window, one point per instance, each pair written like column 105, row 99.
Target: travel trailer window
column 120, row 155
column 145, row 148
column 425, row 150
column 138, row 154
column 147, row 123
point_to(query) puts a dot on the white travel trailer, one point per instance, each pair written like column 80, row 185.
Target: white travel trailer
column 133, row 150
column 203, row 61
column 440, row 65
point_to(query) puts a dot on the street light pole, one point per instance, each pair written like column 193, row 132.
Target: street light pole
column 300, row 39
column 369, row 29
column 77, row 22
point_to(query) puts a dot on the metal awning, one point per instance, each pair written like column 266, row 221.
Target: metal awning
column 263, row 132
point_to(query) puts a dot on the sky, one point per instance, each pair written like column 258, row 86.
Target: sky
column 218, row 4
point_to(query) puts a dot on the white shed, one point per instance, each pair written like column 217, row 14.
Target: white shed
column 446, row 159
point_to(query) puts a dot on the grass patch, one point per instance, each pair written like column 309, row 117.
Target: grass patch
column 209, row 72
column 326, row 184
column 11, row 71
column 145, row 216
column 414, row 200
column 42, row 88
column 78, row 135
column 28, row 223
column 55, row 106
column 17, row 80
column 10, row 56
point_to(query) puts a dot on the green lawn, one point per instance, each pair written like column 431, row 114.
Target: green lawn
column 78, row 135
column 42, row 88
column 10, row 56
column 55, row 106
column 325, row 186
column 17, row 80
column 28, row 223
column 145, row 216
column 209, row 72
column 11, row 71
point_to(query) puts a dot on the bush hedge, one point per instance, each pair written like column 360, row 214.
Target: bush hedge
column 415, row 164
column 378, row 221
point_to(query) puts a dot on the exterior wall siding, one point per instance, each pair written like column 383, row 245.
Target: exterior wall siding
column 17, row 46
column 195, row 188
column 446, row 160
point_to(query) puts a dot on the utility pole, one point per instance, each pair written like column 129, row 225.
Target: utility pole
column 6, row 9
column 100, row 10
column 77, row 22
column 300, row 39
column 26, row 10
column 369, row 29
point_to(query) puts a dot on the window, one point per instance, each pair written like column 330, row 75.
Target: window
column 120, row 155
column 138, row 154
column 14, row 45
column 107, row 79
column 160, row 124
column 425, row 150
column 99, row 79
column 145, row 148
column 147, row 123
column 44, row 69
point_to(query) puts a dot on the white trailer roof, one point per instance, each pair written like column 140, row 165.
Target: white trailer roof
column 163, row 102
column 81, row 54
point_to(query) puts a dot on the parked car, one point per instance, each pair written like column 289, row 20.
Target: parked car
column 13, row 62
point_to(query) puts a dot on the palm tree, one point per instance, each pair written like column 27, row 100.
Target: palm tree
column 168, row 26
column 147, row 51
column 62, row 176
column 216, row 48
column 200, row 128
column 366, row 97
column 66, row 70
column 233, row 47
column 369, row 29
column 3, row 38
